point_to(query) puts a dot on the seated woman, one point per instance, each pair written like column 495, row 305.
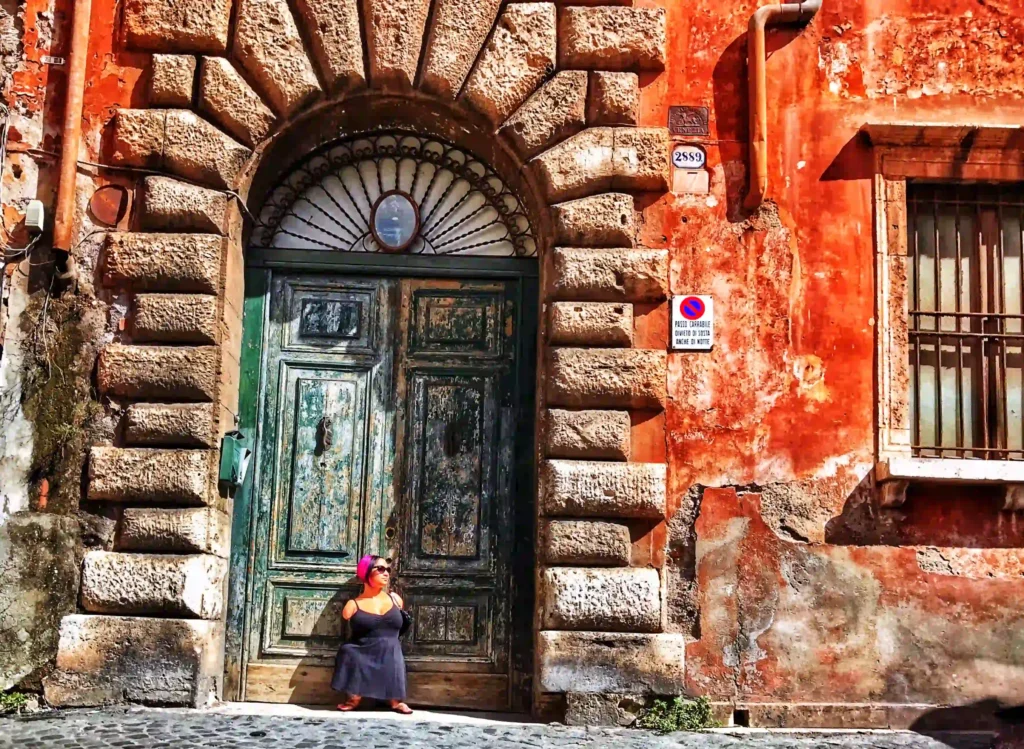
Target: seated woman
column 370, row 664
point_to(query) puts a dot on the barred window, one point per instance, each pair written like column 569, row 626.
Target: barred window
column 966, row 339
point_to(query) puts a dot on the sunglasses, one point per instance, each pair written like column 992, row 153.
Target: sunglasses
column 380, row 568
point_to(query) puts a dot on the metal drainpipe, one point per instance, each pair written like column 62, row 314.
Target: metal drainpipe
column 64, row 214
column 769, row 15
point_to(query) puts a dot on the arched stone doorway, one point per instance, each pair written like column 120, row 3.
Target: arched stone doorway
column 549, row 98
column 390, row 330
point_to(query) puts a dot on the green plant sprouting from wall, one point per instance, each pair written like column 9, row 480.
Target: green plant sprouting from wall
column 12, row 702
column 677, row 714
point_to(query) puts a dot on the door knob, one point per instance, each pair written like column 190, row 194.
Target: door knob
column 389, row 533
column 325, row 433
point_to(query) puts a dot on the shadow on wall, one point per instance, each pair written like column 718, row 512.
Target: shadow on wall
column 940, row 515
column 983, row 715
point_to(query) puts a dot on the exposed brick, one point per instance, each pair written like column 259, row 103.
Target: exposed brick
column 607, row 600
column 519, row 56
column 577, row 488
column 183, row 477
column 612, row 38
column 186, row 373
column 591, row 323
column 636, row 275
column 175, row 318
column 164, row 262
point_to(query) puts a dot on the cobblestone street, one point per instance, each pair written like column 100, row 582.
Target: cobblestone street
column 174, row 729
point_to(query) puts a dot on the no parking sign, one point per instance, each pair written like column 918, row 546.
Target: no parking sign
column 693, row 323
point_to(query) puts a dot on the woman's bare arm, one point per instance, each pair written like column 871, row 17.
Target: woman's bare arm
column 350, row 610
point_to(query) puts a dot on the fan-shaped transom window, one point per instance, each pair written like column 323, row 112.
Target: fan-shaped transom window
column 395, row 192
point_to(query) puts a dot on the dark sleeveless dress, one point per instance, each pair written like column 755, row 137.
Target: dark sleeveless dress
column 371, row 663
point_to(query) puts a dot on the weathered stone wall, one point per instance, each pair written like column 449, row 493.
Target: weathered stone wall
column 708, row 522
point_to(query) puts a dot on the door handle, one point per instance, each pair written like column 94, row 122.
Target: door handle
column 325, row 433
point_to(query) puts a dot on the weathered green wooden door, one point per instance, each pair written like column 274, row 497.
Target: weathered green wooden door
column 388, row 425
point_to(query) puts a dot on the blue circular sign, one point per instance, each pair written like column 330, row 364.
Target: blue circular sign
column 692, row 308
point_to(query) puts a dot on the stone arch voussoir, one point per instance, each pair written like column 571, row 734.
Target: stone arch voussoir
column 551, row 91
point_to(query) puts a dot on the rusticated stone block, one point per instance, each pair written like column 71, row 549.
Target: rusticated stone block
column 607, row 220
column 612, row 275
column 171, row 79
column 172, row 205
column 164, row 262
column 177, row 25
column 268, row 45
column 607, row 600
column 175, row 318
column 578, row 166
column 607, row 378
column 394, row 39
column 599, row 159
column 611, row 38
column 185, row 373
column 186, row 477
column 180, row 141
column 171, row 424
column 609, row 490
column 586, row 542
column 583, row 709
column 198, row 151
column 519, row 56
column 458, row 31
column 336, row 40
column 605, row 662
column 195, row 530
column 104, row 659
column 231, row 102
column 640, row 159
column 614, row 98
column 190, row 586
column 591, row 323
column 556, row 111
column 588, row 434
column 139, row 137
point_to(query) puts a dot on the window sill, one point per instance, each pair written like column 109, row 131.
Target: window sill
column 894, row 474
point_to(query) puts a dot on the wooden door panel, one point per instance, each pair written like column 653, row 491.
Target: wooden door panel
column 322, row 480
column 468, row 323
column 450, row 481
column 304, row 618
column 330, row 315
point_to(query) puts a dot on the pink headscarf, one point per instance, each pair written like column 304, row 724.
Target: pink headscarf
column 363, row 568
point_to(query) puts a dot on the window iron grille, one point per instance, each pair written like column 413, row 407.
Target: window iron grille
column 966, row 320
column 329, row 200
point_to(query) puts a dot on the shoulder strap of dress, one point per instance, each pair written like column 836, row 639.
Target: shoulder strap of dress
column 391, row 593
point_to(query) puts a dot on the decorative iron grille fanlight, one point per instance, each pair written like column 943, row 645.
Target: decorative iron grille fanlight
column 395, row 192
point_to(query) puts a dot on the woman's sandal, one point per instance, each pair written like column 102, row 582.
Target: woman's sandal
column 350, row 704
column 402, row 708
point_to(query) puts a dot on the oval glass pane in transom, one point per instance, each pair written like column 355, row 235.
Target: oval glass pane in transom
column 395, row 221
column 395, row 192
